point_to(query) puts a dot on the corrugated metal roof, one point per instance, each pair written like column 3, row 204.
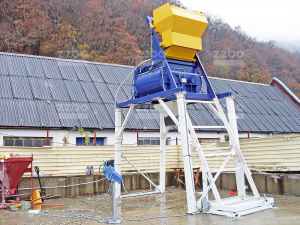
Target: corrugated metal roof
column 58, row 90
column 5, row 87
column 85, row 114
column 49, row 92
column 81, row 71
column 128, row 90
column 107, row 74
column 27, row 113
column 105, row 93
column 91, row 91
column 94, row 73
column 51, row 68
column 75, row 91
column 3, row 65
column 21, row 87
column 67, row 71
column 296, row 120
column 274, row 123
column 16, row 65
column 121, row 73
column 34, row 67
column 40, row 88
column 281, row 123
column 147, row 118
column 67, row 114
column 47, row 113
column 103, row 117
column 134, row 120
column 9, row 116
column 121, row 96
column 242, row 125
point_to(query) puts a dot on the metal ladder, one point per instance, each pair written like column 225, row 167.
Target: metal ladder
column 241, row 204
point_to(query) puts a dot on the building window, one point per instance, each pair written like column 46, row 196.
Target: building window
column 152, row 141
column 81, row 142
column 209, row 140
column 26, row 141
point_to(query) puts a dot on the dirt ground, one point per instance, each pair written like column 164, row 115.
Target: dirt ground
column 170, row 208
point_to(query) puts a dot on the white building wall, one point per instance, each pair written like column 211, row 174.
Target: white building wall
column 129, row 138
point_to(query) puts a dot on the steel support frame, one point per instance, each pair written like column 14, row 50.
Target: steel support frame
column 186, row 153
column 239, row 205
column 119, row 130
column 239, row 174
column 162, row 164
column 242, row 204
column 234, row 206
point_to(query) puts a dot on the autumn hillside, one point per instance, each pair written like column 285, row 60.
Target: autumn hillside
column 115, row 31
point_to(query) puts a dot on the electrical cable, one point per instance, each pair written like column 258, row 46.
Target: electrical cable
column 151, row 43
column 72, row 213
column 124, row 187
column 118, row 89
column 88, row 202
column 134, row 69
column 75, row 215
column 155, row 217
column 71, row 185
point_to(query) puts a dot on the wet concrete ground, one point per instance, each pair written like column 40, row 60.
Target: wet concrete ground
column 169, row 207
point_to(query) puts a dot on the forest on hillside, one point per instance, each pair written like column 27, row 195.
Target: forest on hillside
column 115, row 31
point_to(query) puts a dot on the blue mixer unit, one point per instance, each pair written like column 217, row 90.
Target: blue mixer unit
column 152, row 79
column 179, row 70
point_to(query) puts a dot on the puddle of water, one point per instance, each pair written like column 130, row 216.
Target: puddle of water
column 171, row 205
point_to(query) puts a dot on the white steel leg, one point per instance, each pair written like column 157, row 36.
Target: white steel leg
column 239, row 174
column 118, row 145
column 187, row 161
column 206, row 174
column 219, row 111
column 163, row 138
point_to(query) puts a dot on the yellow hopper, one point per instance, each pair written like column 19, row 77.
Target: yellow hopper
column 181, row 31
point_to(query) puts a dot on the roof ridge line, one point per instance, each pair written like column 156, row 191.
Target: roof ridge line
column 62, row 59
column 241, row 81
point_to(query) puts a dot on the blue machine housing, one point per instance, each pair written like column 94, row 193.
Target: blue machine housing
column 166, row 77
column 154, row 78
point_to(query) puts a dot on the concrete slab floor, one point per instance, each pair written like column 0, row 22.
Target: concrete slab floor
column 170, row 207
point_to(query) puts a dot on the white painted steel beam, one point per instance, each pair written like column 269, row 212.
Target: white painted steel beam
column 227, row 170
column 198, row 101
column 239, row 174
column 163, row 140
column 137, row 169
column 186, row 154
column 232, row 136
column 234, row 206
column 206, row 174
column 126, row 121
column 221, row 206
column 140, row 194
column 118, row 146
column 168, row 111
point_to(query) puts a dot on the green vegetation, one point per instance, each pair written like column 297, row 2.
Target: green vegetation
column 65, row 140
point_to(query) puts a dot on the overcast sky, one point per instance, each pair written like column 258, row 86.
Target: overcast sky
column 263, row 19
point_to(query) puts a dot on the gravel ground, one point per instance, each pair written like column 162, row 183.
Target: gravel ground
column 172, row 203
